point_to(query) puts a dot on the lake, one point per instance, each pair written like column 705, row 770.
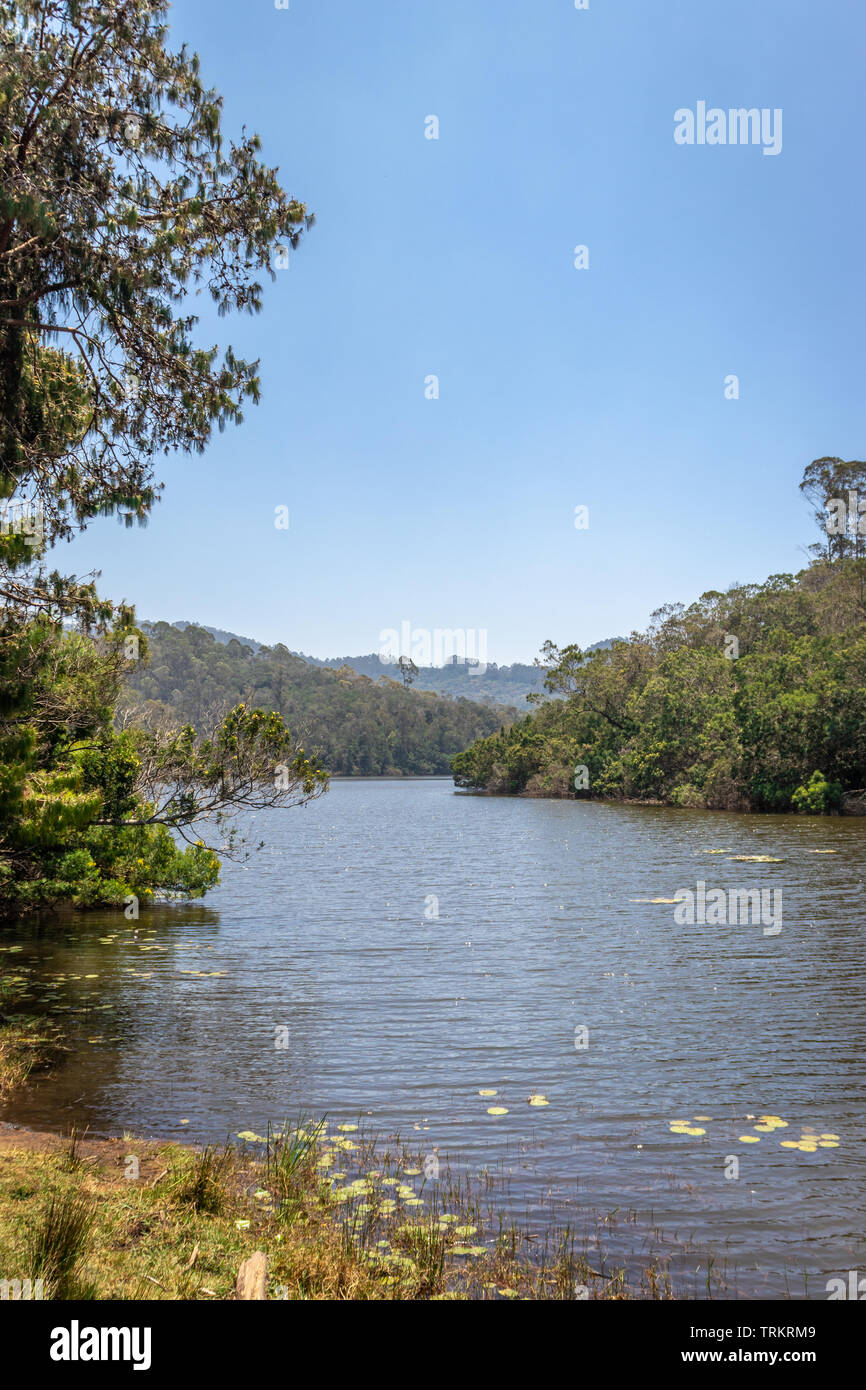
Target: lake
column 318, row 979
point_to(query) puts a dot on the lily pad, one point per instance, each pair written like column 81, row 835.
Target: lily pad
column 756, row 859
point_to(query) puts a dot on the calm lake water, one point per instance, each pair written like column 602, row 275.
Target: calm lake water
column 401, row 1018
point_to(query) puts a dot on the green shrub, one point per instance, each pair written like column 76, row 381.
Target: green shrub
column 818, row 798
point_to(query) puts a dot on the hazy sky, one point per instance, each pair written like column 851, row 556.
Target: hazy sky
column 559, row 387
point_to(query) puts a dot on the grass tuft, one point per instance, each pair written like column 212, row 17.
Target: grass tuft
column 202, row 1180
column 58, row 1243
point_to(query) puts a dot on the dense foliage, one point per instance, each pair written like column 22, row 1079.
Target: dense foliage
column 752, row 699
column 119, row 202
column 355, row 725
column 87, row 811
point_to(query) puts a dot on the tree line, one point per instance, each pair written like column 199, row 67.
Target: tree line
column 748, row 699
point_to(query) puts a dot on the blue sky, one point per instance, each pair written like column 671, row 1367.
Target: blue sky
column 559, row 387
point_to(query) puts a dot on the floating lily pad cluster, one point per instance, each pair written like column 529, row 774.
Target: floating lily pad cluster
column 487, row 1093
column 688, row 1126
column 535, row 1098
column 810, row 1140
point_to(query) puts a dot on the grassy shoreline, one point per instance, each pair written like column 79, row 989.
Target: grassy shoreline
column 339, row 1214
column 126, row 1218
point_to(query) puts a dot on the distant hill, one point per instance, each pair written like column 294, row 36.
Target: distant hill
column 497, row 685
column 357, row 725
column 491, row 685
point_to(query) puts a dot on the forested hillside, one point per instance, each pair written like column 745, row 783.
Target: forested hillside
column 487, row 684
column 751, row 699
column 357, row 726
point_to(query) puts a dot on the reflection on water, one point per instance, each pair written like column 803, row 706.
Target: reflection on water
column 403, row 1017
